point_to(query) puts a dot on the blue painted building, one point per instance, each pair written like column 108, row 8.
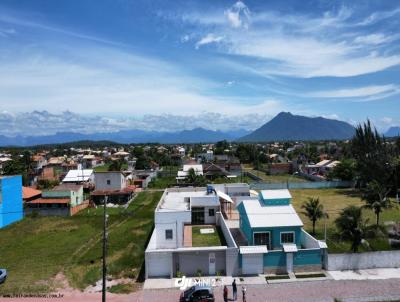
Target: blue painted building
column 275, row 236
column 11, row 208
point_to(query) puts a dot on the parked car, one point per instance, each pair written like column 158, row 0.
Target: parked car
column 197, row 294
column 3, row 275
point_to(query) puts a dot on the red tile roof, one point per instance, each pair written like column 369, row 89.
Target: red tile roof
column 28, row 192
column 49, row 200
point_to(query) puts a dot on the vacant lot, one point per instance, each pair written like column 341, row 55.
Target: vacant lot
column 334, row 200
column 104, row 168
column 36, row 249
column 273, row 178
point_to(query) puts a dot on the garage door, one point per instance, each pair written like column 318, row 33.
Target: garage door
column 252, row 264
column 159, row 264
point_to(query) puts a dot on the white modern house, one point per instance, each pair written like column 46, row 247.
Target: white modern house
column 230, row 230
column 181, row 213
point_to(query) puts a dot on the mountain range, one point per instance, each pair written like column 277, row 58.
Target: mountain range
column 283, row 127
column 288, row 127
column 126, row 136
column 392, row 132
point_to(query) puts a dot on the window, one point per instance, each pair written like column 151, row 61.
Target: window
column 262, row 239
column 211, row 212
column 287, row 237
column 168, row 234
column 108, row 181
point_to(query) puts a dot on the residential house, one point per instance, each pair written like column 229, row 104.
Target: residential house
column 112, row 185
column 11, row 208
column 39, row 161
column 171, row 248
column 274, row 238
column 84, row 177
column 29, row 194
column 182, row 174
column 63, row 200
column 321, row 168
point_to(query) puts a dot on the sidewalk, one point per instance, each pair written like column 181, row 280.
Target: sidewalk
column 366, row 274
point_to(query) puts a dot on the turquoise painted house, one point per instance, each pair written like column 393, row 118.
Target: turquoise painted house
column 11, row 209
column 276, row 241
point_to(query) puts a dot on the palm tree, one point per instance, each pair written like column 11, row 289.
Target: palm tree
column 375, row 196
column 314, row 210
column 191, row 176
column 116, row 165
column 352, row 226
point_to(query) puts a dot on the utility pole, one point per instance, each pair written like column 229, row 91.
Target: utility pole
column 104, row 249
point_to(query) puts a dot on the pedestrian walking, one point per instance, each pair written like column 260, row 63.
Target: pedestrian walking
column 225, row 294
column 243, row 293
column 234, row 289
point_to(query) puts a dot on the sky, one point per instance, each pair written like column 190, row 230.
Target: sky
column 93, row 65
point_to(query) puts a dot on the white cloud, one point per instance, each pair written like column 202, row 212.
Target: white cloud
column 379, row 16
column 208, row 39
column 299, row 45
column 5, row 32
column 45, row 123
column 238, row 15
column 366, row 91
column 374, row 39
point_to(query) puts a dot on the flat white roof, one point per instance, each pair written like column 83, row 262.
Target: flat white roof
column 180, row 201
column 270, row 216
column 253, row 249
column 275, row 194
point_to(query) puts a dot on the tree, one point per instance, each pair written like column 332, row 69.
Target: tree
column 374, row 157
column 345, row 170
column 116, row 165
column 193, row 178
column 313, row 210
column 352, row 226
column 375, row 196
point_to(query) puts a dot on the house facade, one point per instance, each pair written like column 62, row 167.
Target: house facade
column 276, row 240
column 112, row 185
column 63, row 200
column 11, row 208
column 259, row 234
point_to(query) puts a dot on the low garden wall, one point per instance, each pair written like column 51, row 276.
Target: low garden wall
column 356, row 261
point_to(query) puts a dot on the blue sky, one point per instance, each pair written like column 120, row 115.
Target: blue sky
column 167, row 60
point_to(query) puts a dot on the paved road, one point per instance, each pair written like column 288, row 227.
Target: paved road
column 312, row 291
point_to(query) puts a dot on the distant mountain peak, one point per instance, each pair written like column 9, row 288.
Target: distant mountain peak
column 286, row 127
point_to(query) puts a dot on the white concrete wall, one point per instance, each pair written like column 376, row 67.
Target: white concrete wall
column 353, row 261
column 117, row 181
column 225, row 230
column 170, row 221
column 308, row 241
column 210, row 219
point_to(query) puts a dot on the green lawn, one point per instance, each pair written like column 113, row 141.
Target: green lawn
column 273, row 178
column 213, row 239
column 162, row 182
column 34, row 250
column 104, row 168
column 334, row 200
